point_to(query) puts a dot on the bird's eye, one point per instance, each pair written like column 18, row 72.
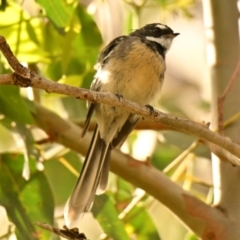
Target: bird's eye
column 156, row 32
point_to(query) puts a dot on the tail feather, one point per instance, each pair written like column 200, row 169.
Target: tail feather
column 89, row 179
column 103, row 178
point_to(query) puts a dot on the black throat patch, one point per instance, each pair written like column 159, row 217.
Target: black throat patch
column 154, row 46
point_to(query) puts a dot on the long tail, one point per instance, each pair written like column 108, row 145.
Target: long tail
column 93, row 178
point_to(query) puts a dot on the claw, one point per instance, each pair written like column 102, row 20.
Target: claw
column 151, row 109
column 119, row 96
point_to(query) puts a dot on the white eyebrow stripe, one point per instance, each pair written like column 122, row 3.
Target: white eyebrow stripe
column 157, row 40
column 161, row 26
column 165, row 42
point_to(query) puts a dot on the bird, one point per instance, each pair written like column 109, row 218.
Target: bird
column 130, row 66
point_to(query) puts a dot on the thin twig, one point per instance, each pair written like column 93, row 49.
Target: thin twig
column 180, row 157
column 231, row 120
column 222, row 97
column 231, row 82
column 71, row 234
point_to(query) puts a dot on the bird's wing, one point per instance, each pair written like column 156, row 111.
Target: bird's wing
column 125, row 131
column 96, row 83
column 106, row 52
column 91, row 108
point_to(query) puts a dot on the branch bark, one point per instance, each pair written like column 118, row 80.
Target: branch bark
column 223, row 40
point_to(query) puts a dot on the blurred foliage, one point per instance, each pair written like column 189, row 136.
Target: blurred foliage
column 61, row 41
column 166, row 6
column 25, row 201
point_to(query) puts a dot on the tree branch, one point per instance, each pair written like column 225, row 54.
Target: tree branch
column 143, row 124
column 196, row 215
column 204, row 220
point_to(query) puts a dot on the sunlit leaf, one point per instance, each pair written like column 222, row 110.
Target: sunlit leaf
column 22, row 33
column 9, row 144
column 73, row 80
column 177, row 6
column 31, row 31
column 190, row 236
column 58, row 11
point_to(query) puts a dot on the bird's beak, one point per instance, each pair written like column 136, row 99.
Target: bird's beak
column 172, row 35
column 175, row 34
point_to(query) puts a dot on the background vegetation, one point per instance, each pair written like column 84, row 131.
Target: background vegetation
column 61, row 41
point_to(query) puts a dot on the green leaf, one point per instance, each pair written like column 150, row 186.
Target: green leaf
column 89, row 28
column 88, row 78
column 15, row 27
column 31, row 32
column 75, row 66
column 56, row 179
column 71, row 104
column 107, row 215
column 28, row 147
column 87, row 44
column 25, row 201
column 75, row 52
column 13, row 106
column 54, row 70
column 142, row 224
column 72, row 80
column 58, row 11
column 190, row 236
